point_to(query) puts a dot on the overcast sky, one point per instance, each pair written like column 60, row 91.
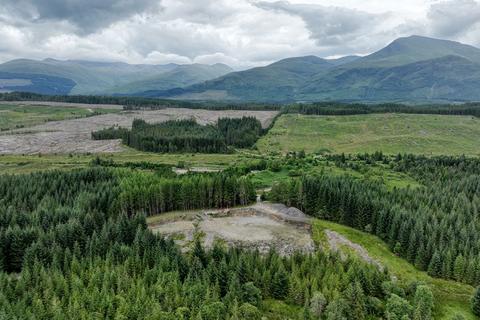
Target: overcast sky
column 240, row 33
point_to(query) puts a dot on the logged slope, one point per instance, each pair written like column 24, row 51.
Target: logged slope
column 277, row 81
column 181, row 76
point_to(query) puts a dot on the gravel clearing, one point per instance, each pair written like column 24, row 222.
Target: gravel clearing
column 256, row 227
column 74, row 136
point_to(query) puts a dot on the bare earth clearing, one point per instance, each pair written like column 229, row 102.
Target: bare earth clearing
column 74, row 136
column 262, row 226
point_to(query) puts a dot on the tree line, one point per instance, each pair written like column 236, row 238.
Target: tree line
column 338, row 108
column 314, row 108
column 137, row 103
column 186, row 135
column 436, row 226
column 153, row 194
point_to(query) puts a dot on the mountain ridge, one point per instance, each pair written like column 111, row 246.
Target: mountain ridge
column 407, row 69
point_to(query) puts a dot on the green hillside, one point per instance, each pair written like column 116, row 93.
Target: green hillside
column 447, row 78
column 412, row 69
column 278, row 81
column 416, row 48
column 390, row 133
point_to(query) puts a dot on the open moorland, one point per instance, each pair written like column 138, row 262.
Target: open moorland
column 74, row 136
column 389, row 133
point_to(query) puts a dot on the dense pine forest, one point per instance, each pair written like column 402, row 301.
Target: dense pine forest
column 64, row 238
column 186, row 135
column 436, row 226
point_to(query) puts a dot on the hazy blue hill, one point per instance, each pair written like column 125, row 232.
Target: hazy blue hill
column 35, row 83
column 277, row 81
column 178, row 77
column 89, row 76
column 408, row 69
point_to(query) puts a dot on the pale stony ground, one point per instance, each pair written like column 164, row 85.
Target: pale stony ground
column 261, row 226
column 74, row 136
column 337, row 242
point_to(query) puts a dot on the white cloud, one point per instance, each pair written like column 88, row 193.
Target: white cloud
column 240, row 33
column 459, row 19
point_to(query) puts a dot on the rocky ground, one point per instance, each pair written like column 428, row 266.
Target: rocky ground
column 261, row 226
column 337, row 242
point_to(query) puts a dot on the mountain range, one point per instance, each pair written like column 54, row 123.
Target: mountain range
column 410, row 69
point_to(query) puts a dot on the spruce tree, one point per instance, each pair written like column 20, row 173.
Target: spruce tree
column 476, row 302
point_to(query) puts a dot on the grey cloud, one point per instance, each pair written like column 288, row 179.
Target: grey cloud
column 87, row 16
column 328, row 25
column 451, row 18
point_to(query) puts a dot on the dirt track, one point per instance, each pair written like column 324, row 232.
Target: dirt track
column 74, row 136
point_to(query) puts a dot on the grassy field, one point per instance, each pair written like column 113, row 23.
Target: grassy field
column 16, row 116
column 379, row 173
column 29, row 163
column 390, row 133
column 450, row 297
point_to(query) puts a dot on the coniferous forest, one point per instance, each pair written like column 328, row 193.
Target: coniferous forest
column 436, row 226
column 75, row 245
column 186, row 135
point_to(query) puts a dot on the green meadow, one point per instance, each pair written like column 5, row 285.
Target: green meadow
column 389, row 133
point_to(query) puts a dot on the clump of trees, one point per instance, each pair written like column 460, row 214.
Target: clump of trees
column 436, row 227
column 476, row 302
column 240, row 132
column 110, row 133
column 154, row 194
column 175, row 136
column 186, row 135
